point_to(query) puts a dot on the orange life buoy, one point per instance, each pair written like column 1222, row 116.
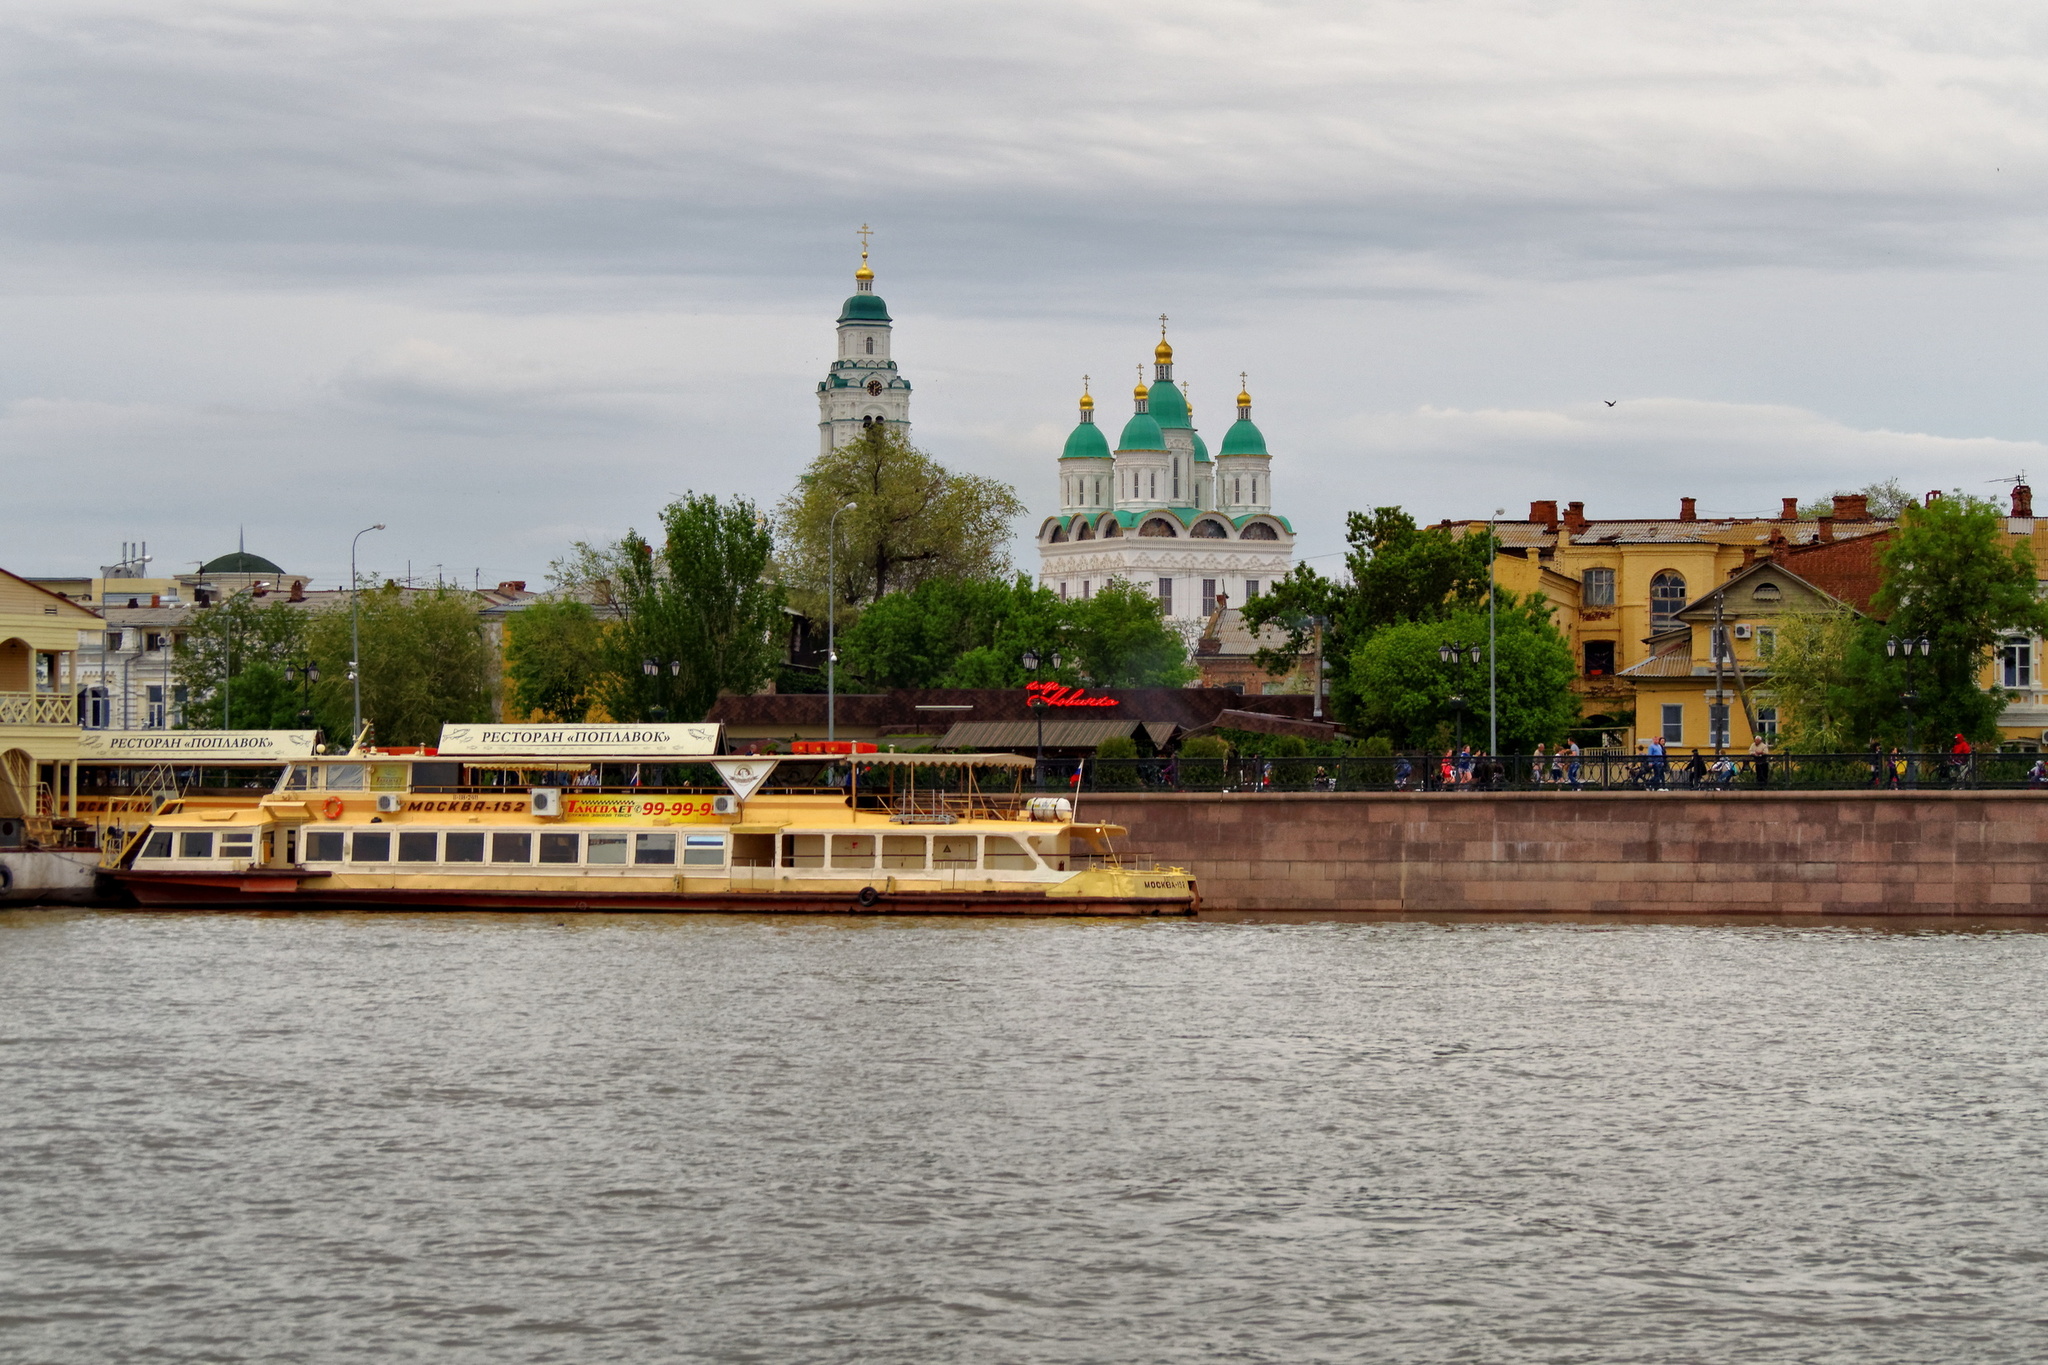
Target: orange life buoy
column 331, row 808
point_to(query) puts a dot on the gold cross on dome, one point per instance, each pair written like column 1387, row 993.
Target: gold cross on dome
column 1084, row 383
column 1162, row 326
column 863, row 234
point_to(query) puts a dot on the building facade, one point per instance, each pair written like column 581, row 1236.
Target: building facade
column 1159, row 511
column 863, row 387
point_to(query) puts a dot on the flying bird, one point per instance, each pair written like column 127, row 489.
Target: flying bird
column 1608, row 401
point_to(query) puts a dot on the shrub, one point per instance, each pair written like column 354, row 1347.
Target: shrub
column 1202, row 760
column 1116, row 762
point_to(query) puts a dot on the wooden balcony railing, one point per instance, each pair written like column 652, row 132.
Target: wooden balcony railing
column 38, row 708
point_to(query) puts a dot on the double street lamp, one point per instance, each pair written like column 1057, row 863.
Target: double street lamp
column 1905, row 647
column 1038, row 705
column 305, row 675
column 652, row 668
column 1454, row 655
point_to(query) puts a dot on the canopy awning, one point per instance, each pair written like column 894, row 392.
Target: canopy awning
column 937, row 760
column 1023, row 734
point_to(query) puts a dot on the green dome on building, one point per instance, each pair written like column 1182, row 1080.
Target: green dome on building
column 864, row 308
column 241, row 561
column 1201, row 450
column 1087, row 443
column 1244, row 439
column 1169, row 406
column 1141, row 433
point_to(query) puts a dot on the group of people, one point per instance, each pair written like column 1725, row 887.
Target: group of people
column 1699, row 772
column 1889, row 768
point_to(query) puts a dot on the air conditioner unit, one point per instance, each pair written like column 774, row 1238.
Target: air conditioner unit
column 547, row 800
column 725, row 805
column 1742, row 632
column 389, row 803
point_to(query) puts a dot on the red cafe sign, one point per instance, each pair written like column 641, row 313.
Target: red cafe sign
column 1059, row 694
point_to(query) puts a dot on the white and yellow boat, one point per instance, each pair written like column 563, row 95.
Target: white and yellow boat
column 542, row 830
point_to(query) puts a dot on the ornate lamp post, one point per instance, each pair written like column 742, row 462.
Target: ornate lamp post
column 305, row 675
column 1037, row 705
column 653, row 670
column 1905, row 647
column 1454, row 656
column 831, row 623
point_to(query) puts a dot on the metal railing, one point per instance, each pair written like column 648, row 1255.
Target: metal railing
column 38, row 708
column 1596, row 771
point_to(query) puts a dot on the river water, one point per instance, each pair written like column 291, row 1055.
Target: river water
column 499, row 1139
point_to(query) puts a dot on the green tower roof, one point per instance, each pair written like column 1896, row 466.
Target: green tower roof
column 1201, row 450
column 1243, row 439
column 1141, row 433
column 1169, row 406
column 864, row 308
column 1087, row 443
column 241, row 561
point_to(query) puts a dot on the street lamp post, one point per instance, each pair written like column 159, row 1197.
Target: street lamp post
column 355, row 639
column 1037, row 705
column 831, row 623
column 652, row 669
column 1905, row 647
column 305, row 675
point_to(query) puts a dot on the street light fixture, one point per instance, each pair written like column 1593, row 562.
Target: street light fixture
column 355, row 637
column 1037, row 705
column 305, row 675
column 1905, row 647
column 832, row 623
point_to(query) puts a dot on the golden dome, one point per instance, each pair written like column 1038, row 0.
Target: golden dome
column 1087, row 403
column 1163, row 353
column 1244, row 399
column 864, row 273
column 1141, row 393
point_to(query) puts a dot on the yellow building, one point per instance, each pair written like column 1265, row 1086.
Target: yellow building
column 1636, row 599
column 40, row 635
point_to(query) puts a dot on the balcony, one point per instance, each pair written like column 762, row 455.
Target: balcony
column 38, row 708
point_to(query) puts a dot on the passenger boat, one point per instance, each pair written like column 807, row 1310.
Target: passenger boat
column 639, row 828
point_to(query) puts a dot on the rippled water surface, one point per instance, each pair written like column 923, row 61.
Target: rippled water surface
column 480, row 1139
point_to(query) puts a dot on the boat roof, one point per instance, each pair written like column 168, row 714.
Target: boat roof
column 932, row 760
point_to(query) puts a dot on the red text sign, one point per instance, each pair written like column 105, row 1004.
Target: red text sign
column 1059, row 694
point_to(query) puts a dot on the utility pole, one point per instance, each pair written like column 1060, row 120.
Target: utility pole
column 355, row 638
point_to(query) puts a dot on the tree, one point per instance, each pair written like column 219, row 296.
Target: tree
column 1810, row 682
column 425, row 663
column 553, row 658
column 1404, row 688
column 1399, row 573
column 914, row 520
column 702, row 608
column 1885, row 500
column 1950, row 575
column 1118, row 639
column 232, row 662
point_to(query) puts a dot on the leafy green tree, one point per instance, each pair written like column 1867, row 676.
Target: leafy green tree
column 232, row 662
column 1398, row 573
column 1810, row 682
column 915, row 520
column 425, row 663
column 703, row 601
column 553, row 657
column 1404, row 688
column 1885, row 500
column 1952, row 575
column 1117, row 639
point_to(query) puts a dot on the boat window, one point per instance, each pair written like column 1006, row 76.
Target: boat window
column 196, row 843
column 559, row 848
column 903, row 850
column 853, row 850
column 417, row 846
column 323, row 846
column 704, row 850
column 511, row 848
column 425, row 775
column 301, row 778
column 1047, row 847
column 388, row 777
column 159, row 845
column 654, row 848
column 803, row 850
column 607, row 850
column 953, row 850
column 366, row 847
column 466, row 847
column 753, row 850
column 1009, row 855
column 235, row 843
column 344, row 777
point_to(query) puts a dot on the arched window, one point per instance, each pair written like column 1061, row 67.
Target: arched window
column 1667, row 595
column 1237, row 491
column 1058, row 535
column 1258, row 530
column 1766, row 592
column 1082, row 532
column 871, row 345
column 1208, row 528
column 1158, row 526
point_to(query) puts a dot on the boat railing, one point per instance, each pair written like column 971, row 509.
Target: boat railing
column 942, row 807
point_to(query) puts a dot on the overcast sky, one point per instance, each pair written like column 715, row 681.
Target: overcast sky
column 509, row 275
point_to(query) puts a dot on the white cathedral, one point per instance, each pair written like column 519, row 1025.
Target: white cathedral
column 1156, row 511
column 1160, row 512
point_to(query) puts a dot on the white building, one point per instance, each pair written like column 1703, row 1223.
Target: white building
column 863, row 387
column 1158, row 511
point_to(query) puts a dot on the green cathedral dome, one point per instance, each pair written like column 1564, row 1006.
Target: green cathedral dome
column 1243, row 439
column 1169, row 406
column 864, row 308
column 1201, row 450
column 1141, row 433
column 1087, row 443
column 241, row 561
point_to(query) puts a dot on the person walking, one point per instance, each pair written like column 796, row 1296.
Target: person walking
column 1658, row 766
column 1895, row 768
column 2037, row 776
column 1536, row 766
column 1961, row 759
column 1877, row 764
column 1696, row 771
column 1760, row 761
column 1572, row 767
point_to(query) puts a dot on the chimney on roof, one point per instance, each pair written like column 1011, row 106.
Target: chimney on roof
column 1546, row 512
column 1688, row 509
column 1748, row 558
column 298, row 590
column 512, row 585
column 155, row 600
column 1575, row 517
column 1852, row 507
column 2022, row 500
column 1791, row 512
column 1824, row 531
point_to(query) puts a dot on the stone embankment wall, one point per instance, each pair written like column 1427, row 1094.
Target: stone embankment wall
column 1826, row 853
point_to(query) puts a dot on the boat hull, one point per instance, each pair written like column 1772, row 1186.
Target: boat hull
column 274, row 891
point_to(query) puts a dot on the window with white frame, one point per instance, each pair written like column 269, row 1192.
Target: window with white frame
column 1717, row 645
column 1596, row 588
column 1766, row 641
column 1767, row 722
column 1674, row 722
column 2016, row 662
column 1166, row 597
column 1667, row 596
column 1717, row 724
column 1251, row 588
column 1208, row 597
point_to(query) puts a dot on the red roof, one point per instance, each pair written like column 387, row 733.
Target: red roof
column 1846, row 568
